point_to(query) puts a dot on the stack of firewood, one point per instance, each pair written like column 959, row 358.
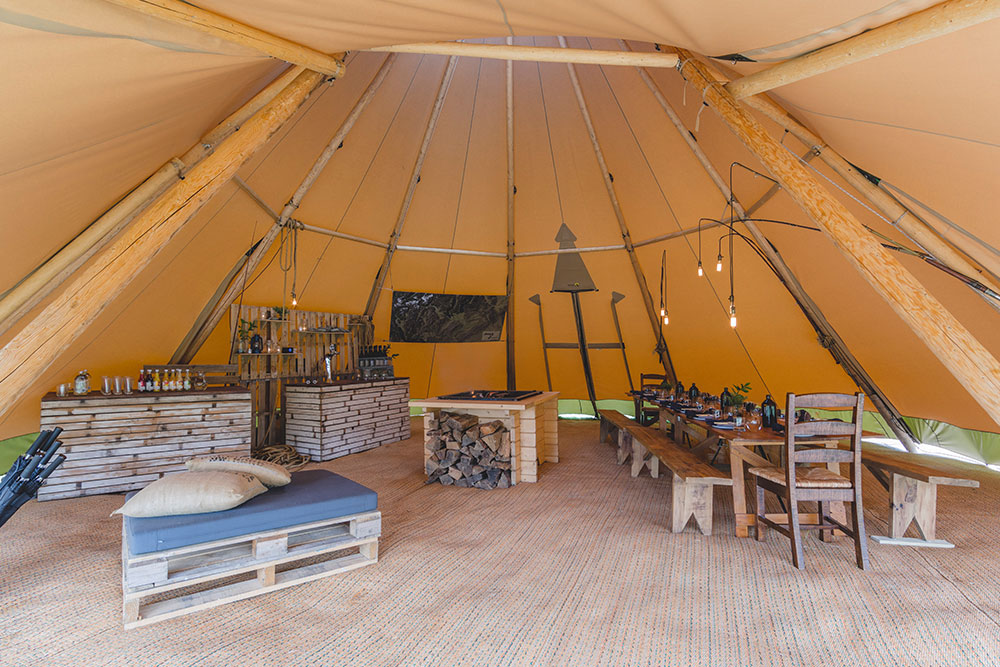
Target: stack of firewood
column 463, row 452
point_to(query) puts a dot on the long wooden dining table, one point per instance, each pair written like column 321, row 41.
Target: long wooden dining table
column 703, row 435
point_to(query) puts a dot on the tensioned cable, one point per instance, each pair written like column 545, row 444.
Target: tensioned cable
column 506, row 21
column 458, row 207
column 673, row 214
column 548, row 133
column 939, row 216
column 364, row 176
column 159, row 224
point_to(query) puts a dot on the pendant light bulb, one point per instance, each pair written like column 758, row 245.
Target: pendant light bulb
column 663, row 312
column 666, row 319
column 701, row 271
column 295, row 301
column 718, row 263
column 732, row 316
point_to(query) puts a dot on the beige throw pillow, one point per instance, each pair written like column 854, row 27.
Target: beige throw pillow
column 271, row 474
column 192, row 493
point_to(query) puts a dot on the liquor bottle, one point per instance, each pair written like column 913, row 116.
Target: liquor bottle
column 156, row 379
column 141, row 384
column 173, row 380
column 187, row 380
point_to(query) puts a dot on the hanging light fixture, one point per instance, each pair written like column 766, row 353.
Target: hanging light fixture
column 718, row 261
column 701, row 271
column 732, row 295
column 663, row 288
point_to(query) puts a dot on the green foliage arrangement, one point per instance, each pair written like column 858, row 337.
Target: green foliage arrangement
column 738, row 394
column 245, row 329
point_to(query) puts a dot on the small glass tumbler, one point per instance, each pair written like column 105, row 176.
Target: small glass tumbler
column 118, row 382
column 106, row 386
column 65, row 389
column 127, row 384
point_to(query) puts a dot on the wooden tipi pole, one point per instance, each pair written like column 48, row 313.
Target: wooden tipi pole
column 539, row 54
column 640, row 278
column 511, row 359
column 36, row 347
column 221, row 27
column 828, row 336
column 964, row 356
column 411, row 187
column 910, row 224
column 222, row 305
column 935, row 21
column 41, row 282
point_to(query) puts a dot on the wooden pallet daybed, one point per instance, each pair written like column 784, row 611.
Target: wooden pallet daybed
column 177, row 565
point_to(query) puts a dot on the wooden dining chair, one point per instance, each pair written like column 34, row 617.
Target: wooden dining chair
column 801, row 481
column 643, row 415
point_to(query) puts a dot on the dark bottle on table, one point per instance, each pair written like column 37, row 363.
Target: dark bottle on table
column 693, row 392
column 725, row 398
column 768, row 413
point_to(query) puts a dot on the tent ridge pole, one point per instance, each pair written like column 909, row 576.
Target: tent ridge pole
column 647, row 299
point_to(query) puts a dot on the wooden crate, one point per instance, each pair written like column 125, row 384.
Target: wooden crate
column 210, row 567
column 120, row 443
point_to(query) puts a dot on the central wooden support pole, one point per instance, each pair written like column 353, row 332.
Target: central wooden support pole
column 222, row 305
column 511, row 359
column 404, row 208
column 935, row 21
column 964, row 356
column 36, row 347
column 640, row 278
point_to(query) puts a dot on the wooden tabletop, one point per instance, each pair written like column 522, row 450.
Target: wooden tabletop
column 764, row 436
column 485, row 405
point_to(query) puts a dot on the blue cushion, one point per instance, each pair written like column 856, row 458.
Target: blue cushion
column 313, row 495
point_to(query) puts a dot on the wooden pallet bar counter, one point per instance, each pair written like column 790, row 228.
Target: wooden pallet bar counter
column 334, row 419
column 533, row 424
column 124, row 442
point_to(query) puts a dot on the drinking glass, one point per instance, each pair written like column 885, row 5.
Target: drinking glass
column 127, row 384
column 106, row 386
column 65, row 389
column 118, row 382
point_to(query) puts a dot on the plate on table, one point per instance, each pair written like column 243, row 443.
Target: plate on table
column 725, row 425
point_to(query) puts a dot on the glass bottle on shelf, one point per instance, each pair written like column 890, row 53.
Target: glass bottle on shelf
column 200, row 383
column 141, row 384
column 81, row 385
column 156, row 379
column 187, row 379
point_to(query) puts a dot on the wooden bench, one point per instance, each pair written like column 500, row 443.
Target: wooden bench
column 614, row 424
column 693, row 478
column 912, row 484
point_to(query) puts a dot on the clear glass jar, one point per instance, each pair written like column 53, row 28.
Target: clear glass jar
column 81, row 385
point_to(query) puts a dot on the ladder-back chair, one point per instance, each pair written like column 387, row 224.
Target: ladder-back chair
column 648, row 415
column 801, row 482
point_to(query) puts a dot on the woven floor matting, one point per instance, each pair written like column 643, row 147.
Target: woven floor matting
column 578, row 569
